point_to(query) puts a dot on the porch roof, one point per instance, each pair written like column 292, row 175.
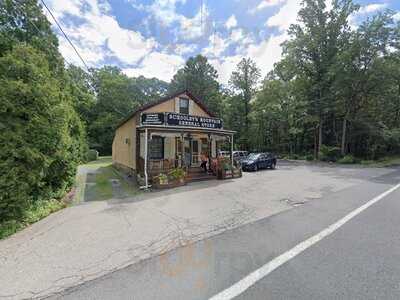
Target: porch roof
column 187, row 129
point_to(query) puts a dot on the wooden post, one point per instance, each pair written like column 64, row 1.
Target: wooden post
column 232, row 151
column 182, row 150
column 146, row 178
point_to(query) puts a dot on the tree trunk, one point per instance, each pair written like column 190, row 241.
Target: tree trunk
column 320, row 134
column 315, row 144
column 398, row 106
column 344, row 129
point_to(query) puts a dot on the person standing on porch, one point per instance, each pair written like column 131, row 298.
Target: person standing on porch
column 204, row 159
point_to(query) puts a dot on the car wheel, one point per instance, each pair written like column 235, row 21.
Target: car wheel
column 255, row 168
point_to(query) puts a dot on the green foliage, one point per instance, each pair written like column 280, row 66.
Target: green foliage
column 34, row 213
column 42, row 140
column 163, row 178
column 200, row 78
column 347, row 159
column 309, row 157
column 243, row 82
column 92, row 155
column 83, row 97
column 328, row 153
column 177, row 173
column 117, row 96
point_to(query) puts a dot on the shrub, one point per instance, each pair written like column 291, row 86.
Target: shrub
column 177, row 173
column 92, row 155
column 348, row 159
column 328, row 153
column 309, row 157
column 41, row 139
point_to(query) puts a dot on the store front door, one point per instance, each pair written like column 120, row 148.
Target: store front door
column 195, row 152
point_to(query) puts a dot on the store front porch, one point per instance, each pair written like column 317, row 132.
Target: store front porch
column 162, row 149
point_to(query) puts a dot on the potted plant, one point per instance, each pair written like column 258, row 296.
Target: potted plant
column 178, row 174
column 163, row 179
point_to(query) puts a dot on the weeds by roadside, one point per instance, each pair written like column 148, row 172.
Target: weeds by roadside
column 36, row 212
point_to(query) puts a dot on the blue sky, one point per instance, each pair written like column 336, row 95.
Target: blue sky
column 154, row 37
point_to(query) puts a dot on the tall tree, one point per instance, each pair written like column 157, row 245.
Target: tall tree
column 199, row 77
column 23, row 21
column 313, row 49
column 84, row 99
column 362, row 67
column 244, row 82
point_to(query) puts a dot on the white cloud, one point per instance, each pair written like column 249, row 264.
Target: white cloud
column 396, row 16
column 225, row 66
column 264, row 4
column 160, row 65
column 286, row 15
column 267, row 52
column 231, row 22
column 216, row 46
column 164, row 11
column 192, row 28
column 182, row 49
column 356, row 18
column 370, row 8
column 99, row 35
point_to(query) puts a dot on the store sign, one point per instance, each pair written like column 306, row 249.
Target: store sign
column 181, row 120
column 174, row 119
column 152, row 119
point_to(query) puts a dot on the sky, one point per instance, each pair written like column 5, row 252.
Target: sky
column 154, row 38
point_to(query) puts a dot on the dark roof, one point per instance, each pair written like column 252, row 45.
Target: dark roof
column 163, row 99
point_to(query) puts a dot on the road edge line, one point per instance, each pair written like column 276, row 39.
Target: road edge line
column 242, row 285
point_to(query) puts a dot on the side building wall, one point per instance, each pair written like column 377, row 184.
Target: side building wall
column 124, row 147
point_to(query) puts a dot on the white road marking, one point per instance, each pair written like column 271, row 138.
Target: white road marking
column 243, row 284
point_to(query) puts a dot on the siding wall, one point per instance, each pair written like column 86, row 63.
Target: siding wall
column 124, row 153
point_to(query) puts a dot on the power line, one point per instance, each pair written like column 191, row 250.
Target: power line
column 34, row 25
column 65, row 35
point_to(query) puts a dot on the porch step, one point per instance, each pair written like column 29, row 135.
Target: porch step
column 199, row 175
column 195, row 170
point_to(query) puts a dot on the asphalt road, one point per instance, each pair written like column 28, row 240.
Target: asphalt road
column 358, row 261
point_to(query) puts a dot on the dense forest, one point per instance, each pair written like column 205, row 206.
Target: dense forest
column 335, row 95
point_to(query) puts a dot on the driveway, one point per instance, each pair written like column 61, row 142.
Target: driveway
column 91, row 239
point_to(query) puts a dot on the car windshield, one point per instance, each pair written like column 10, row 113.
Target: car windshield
column 253, row 156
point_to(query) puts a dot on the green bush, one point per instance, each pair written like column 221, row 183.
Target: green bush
column 92, row 155
column 177, row 173
column 42, row 138
column 348, row 159
column 34, row 213
column 309, row 157
column 328, row 153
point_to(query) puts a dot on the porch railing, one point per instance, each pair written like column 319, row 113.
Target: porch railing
column 157, row 166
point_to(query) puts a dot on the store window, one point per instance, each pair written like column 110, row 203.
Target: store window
column 184, row 106
column 156, row 148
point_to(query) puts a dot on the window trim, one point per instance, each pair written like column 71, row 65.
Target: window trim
column 162, row 148
column 180, row 106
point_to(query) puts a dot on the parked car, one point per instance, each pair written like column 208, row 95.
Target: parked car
column 240, row 155
column 256, row 161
